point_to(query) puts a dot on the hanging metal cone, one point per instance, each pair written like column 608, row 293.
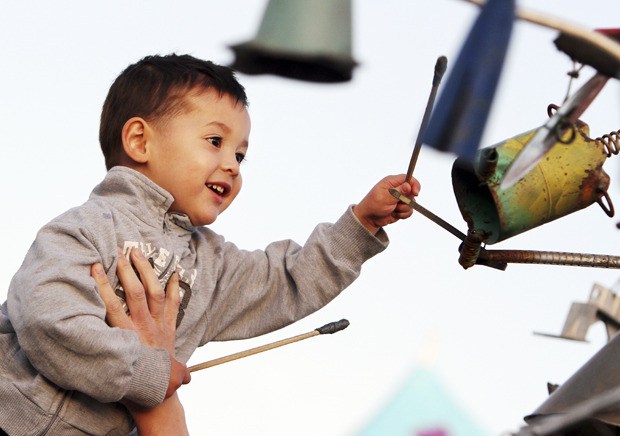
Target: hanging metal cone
column 301, row 39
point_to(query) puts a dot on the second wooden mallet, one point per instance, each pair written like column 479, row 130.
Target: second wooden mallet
column 330, row 328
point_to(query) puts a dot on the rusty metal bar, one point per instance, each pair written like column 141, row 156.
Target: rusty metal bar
column 550, row 258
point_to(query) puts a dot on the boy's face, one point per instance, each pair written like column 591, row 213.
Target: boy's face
column 195, row 155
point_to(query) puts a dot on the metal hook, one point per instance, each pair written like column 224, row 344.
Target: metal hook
column 607, row 208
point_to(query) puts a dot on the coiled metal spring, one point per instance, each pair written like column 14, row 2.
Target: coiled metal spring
column 610, row 141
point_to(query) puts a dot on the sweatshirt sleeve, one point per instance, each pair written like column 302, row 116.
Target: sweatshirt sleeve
column 59, row 321
column 263, row 290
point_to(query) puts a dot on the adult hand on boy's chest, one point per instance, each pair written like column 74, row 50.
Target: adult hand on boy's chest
column 153, row 311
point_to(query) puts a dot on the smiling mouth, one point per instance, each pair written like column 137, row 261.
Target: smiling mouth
column 216, row 188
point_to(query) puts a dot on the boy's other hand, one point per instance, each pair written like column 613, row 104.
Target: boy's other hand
column 379, row 208
column 153, row 311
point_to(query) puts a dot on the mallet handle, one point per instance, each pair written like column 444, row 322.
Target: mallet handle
column 332, row 327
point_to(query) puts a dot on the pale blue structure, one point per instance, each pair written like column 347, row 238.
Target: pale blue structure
column 422, row 407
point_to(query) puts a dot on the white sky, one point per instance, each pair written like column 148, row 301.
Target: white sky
column 314, row 150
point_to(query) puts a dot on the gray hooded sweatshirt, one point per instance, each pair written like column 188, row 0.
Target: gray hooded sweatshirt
column 64, row 369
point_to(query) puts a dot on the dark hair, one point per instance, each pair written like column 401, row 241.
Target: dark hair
column 154, row 87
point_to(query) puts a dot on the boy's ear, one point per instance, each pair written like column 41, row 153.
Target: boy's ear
column 134, row 136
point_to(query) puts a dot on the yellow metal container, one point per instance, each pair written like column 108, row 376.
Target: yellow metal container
column 569, row 178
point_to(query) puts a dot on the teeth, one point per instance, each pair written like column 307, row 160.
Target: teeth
column 217, row 188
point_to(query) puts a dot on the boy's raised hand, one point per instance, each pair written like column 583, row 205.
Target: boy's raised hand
column 153, row 312
column 380, row 208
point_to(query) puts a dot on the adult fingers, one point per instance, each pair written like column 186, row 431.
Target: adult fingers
column 115, row 313
column 155, row 296
column 135, row 295
column 173, row 301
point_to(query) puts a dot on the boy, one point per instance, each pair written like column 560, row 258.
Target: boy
column 174, row 130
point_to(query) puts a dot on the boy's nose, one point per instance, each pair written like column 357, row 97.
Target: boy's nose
column 230, row 164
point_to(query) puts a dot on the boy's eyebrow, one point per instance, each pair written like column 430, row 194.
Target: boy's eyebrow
column 219, row 124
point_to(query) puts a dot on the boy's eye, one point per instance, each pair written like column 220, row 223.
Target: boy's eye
column 215, row 141
column 240, row 157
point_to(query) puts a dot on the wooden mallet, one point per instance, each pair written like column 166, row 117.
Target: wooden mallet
column 330, row 328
